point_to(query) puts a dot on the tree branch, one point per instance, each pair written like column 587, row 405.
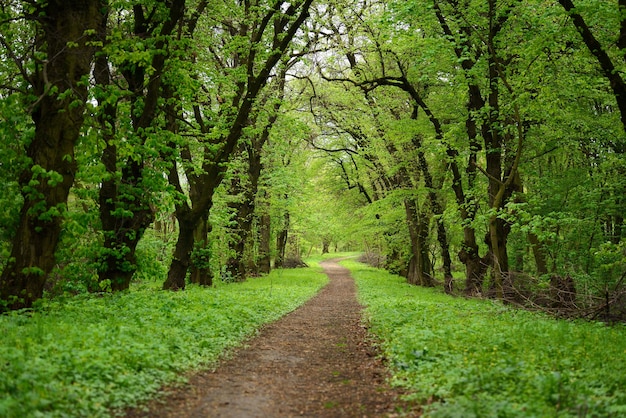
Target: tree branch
column 606, row 64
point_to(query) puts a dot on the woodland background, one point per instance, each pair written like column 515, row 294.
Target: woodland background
column 476, row 145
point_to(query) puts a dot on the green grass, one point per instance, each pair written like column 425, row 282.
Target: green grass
column 473, row 358
column 87, row 356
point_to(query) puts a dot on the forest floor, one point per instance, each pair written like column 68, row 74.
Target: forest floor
column 318, row 361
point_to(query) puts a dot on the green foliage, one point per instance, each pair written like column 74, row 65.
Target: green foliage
column 201, row 256
column 476, row 358
column 85, row 355
column 16, row 129
column 154, row 254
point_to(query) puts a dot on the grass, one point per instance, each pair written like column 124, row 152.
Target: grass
column 477, row 358
column 91, row 355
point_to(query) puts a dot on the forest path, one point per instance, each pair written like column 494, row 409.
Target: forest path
column 315, row 362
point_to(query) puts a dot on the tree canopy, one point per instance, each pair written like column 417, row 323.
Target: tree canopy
column 476, row 145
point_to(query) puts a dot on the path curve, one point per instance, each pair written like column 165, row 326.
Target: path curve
column 314, row 362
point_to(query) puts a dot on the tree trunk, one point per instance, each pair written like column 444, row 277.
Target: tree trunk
column 111, row 273
column 496, row 238
column 58, row 122
column 325, row 246
column 200, row 268
column 125, row 211
column 475, row 270
column 502, row 180
column 236, row 265
column 239, row 232
column 244, row 209
column 475, row 267
column 182, row 254
column 437, row 208
column 538, row 253
column 420, row 268
column 122, row 233
column 281, row 242
column 265, row 257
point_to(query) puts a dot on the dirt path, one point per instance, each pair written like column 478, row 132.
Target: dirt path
column 314, row 362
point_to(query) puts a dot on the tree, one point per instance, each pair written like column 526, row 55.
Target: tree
column 244, row 188
column 608, row 65
column 141, row 57
column 268, row 34
column 55, row 76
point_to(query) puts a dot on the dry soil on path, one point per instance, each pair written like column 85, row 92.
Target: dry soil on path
column 315, row 362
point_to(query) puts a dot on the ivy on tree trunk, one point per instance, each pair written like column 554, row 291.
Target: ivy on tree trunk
column 67, row 32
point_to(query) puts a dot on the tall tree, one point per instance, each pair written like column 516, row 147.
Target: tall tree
column 252, row 147
column 57, row 77
column 253, row 44
column 125, row 195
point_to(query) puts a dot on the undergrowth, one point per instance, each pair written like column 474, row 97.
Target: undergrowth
column 479, row 358
column 91, row 355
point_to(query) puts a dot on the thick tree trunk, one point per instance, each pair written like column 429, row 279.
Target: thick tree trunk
column 502, row 181
column 200, row 269
column 475, row 266
column 122, row 233
column 58, row 122
column 475, row 270
column 496, row 239
column 239, row 232
column 236, row 265
column 182, row 254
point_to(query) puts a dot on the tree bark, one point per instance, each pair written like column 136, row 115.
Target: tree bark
column 58, row 121
column 437, row 208
column 200, row 269
column 244, row 209
column 502, row 169
column 475, row 270
column 281, row 242
column 118, row 262
column 182, row 254
column 236, row 264
column 420, row 268
column 325, row 246
column 265, row 257
column 538, row 253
